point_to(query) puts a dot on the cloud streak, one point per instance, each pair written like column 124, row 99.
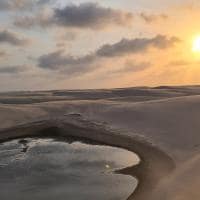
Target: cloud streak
column 132, row 46
column 12, row 38
column 149, row 18
column 11, row 69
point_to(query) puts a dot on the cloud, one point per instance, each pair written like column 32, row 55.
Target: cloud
column 90, row 15
column 72, row 65
column 131, row 46
column 84, row 15
column 149, row 18
column 12, row 5
column 41, row 19
column 11, row 69
column 12, row 38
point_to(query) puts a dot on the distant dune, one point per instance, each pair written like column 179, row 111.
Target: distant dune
column 168, row 118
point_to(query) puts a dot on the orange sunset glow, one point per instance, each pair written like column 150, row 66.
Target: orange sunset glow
column 57, row 44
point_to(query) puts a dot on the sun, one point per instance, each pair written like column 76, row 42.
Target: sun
column 196, row 45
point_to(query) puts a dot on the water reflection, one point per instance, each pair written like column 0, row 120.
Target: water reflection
column 51, row 169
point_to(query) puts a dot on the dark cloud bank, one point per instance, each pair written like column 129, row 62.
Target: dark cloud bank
column 90, row 15
column 85, row 15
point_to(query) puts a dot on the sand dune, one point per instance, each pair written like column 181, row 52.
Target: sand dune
column 166, row 117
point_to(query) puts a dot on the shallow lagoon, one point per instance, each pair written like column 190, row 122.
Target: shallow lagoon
column 49, row 169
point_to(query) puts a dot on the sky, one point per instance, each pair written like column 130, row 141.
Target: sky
column 79, row 44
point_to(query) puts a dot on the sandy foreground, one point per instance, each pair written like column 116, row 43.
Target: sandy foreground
column 160, row 124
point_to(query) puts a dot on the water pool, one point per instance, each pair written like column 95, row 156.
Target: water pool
column 57, row 169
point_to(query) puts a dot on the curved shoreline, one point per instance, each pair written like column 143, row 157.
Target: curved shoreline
column 154, row 164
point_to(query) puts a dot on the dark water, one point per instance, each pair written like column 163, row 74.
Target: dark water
column 48, row 169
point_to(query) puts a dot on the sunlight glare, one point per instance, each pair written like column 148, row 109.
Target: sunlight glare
column 196, row 45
